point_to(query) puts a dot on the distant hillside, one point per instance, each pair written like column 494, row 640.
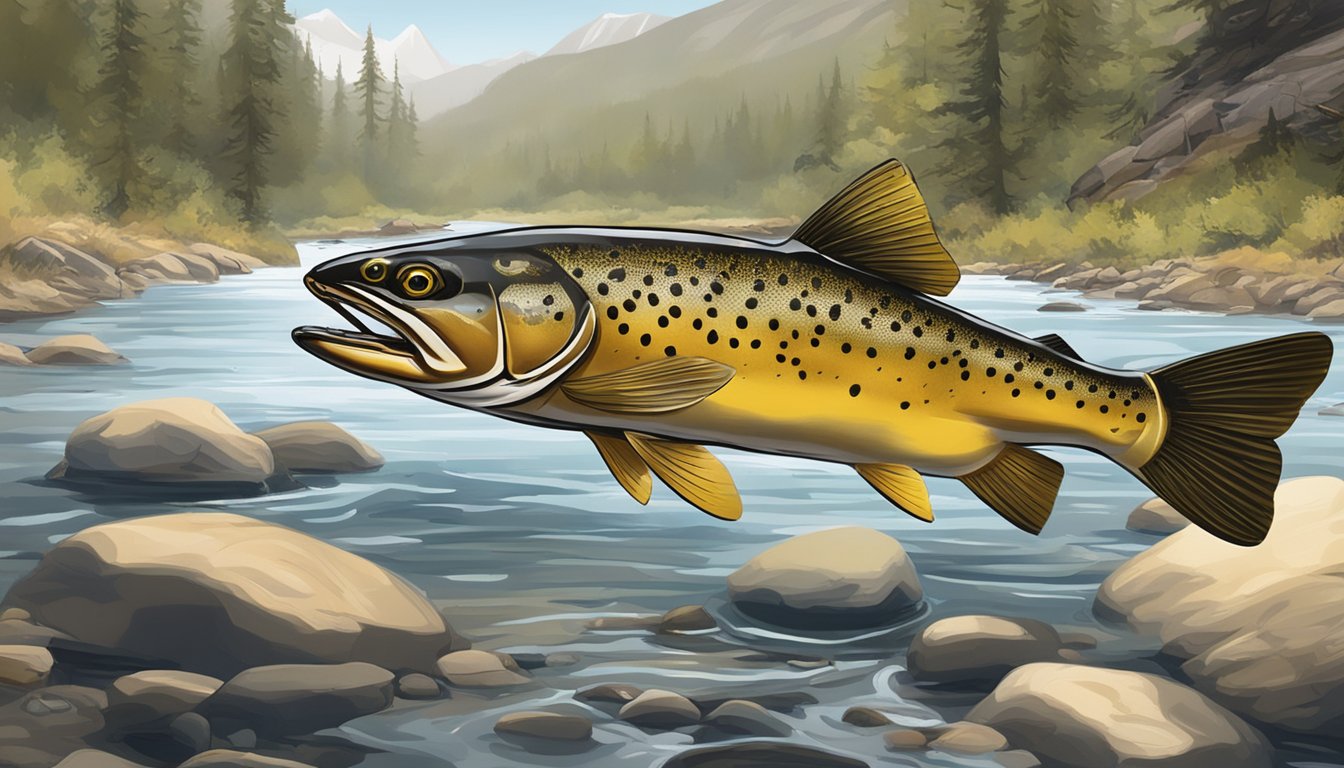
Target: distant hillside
column 607, row 29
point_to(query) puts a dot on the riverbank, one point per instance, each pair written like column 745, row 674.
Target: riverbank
column 68, row 266
column 1239, row 281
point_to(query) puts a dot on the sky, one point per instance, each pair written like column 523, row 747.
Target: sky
column 469, row 31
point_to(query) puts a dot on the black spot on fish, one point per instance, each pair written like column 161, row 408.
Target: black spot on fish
column 907, row 316
column 783, row 279
column 712, row 312
column 867, row 322
column 742, row 321
column 636, row 293
column 1069, row 385
column 578, row 271
column 933, row 364
column 662, row 321
column 1016, row 392
column 816, row 342
column 795, row 304
column 1079, row 404
column 613, row 312
column 559, row 315
column 755, row 343
column 645, row 340
column 965, row 375
column 811, row 310
column 671, row 270
column 962, row 363
column 795, row 362
column 674, row 311
column 951, row 336
column 895, row 326
column 694, row 280
column 751, row 303
column 709, row 297
column 1018, row 366
column 675, row 289
column 623, row 329
column 653, row 299
column 733, row 342
column 670, row 351
column 1105, row 409
column 697, row 323
column 1049, row 371
column 1039, row 385
column 820, row 330
column 918, row 331
column 943, row 361
column 1127, row 402
column 783, row 345
column 905, row 405
column 712, row 337
column 1142, row 417
column 614, row 255
column 872, row 352
column 648, row 279
column 602, row 289
column 975, row 343
column 999, row 353
column 1092, row 388
column 774, row 324
column 849, row 296
column 909, row 353
column 816, row 283
column 700, row 262
column 991, row 372
column 802, row 375
column 835, row 312
column 794, row 333
column 1049, row 394
column 629, row 305
column 846, row 348
column 1008, row 378
column 1112, row 395
column 854, row 390
column 780, row 358
column 716, row 287
column 758, row 286
column 617, row 274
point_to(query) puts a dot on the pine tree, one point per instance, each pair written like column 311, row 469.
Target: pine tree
column 981, row 157
column 253, row 72
column 412, row 149
column 338, row 127
column 1057, row 81
column 184, row 37
column 831, row 120
column 367, row 89
column 396, row 123
column 119, row 104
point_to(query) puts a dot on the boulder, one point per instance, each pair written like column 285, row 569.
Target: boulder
column 217, row 593
column 1062, row 306
column 747, row 717
column 1156, row 516
column 228, row 262
column 177, row 440
column 76, row 349
column 1330, row 310
column 21, row 299
column 663, row 710
column 903, row 739
column 866, row 717
column 191, row 732
column 95, row 758
column 838, row 578
column 549, row 726
column 968, row 739
column 762, row 754
column 609, row 693
column 319, row 446
column 295, row 699
column 174, row 268
column 1087, row 717
column 974, row 648
column 65, row 267
column 1322, row 296
column 152, row 698
column 12, row 355
column 24, row 666
column 479, row 669
column 687, row 618
column 228, row 758
column 417, row 686
column 1256, row 628
column 43, row 726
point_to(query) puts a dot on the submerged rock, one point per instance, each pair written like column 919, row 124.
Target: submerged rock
column 866, row 717
column 177, row 440
column 217, row 593
column 839, row 578
column 549, row 726
column 76, row 349
column 902, row 739
column 764, row 754
column 747, row 717
column 417, row 686
column 663, row 710
column 968, row 739
column 1062, row 306
column 1257, row 628
column 294, row 699
column 609, row 693
column 1157, row 517
column 319, row 446
column 965, row 649
column 152, row 698
column 480, row 669
column 687, row 618
column 1085, row 717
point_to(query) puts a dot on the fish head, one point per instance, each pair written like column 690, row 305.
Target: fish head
column 459, row 324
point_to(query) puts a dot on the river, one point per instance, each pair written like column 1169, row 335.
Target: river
column 523, row 536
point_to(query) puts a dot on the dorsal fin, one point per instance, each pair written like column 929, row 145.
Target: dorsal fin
column 1055, row 342
column 880, row 224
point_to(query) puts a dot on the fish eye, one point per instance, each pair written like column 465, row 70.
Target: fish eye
column 419, row 281
column 374, row 270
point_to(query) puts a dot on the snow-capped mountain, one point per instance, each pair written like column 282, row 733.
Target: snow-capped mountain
column 607, row 29
column 334, row 41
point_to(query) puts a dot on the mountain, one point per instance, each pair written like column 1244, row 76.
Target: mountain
column 607, row 29
column 459, row 86
column 334, row 41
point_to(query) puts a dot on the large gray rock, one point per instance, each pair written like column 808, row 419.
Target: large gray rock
column 76, row 349
column 294, row 699
column 1257, row 628
column 319, row 446
column 65, row 268
column 177, row 440
column 217, row 593
column 967, row 649
column 842, row 578
column 1085, row 717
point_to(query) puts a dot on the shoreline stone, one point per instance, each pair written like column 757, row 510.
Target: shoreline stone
column 979, row 649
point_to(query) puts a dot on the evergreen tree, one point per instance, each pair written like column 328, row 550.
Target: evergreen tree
column 338, row 127
column 981, row 156
column 253, row 73
column 412, row 148
column 1057, row 82
column 831, row 120
column 183, row 33
column 368, row 89
column 119, row 103
column 397, row 131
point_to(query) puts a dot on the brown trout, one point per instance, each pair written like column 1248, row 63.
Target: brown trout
column 656, row 343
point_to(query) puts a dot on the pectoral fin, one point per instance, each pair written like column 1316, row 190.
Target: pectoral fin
column 692, row 472
column 1019, row 484
column 625, row 465
column 656, row 387
column 900, row 485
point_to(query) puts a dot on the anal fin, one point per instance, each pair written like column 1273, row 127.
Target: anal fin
column 625, row 464
column 1019, row 484
column 900, row 485
column 1057, row 343
column 692, row 472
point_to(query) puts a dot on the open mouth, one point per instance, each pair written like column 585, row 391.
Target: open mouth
column 359, row 314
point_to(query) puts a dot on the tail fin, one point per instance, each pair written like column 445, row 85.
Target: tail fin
column 1218, row 464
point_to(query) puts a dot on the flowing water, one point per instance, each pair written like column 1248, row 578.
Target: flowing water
column 522, row 536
